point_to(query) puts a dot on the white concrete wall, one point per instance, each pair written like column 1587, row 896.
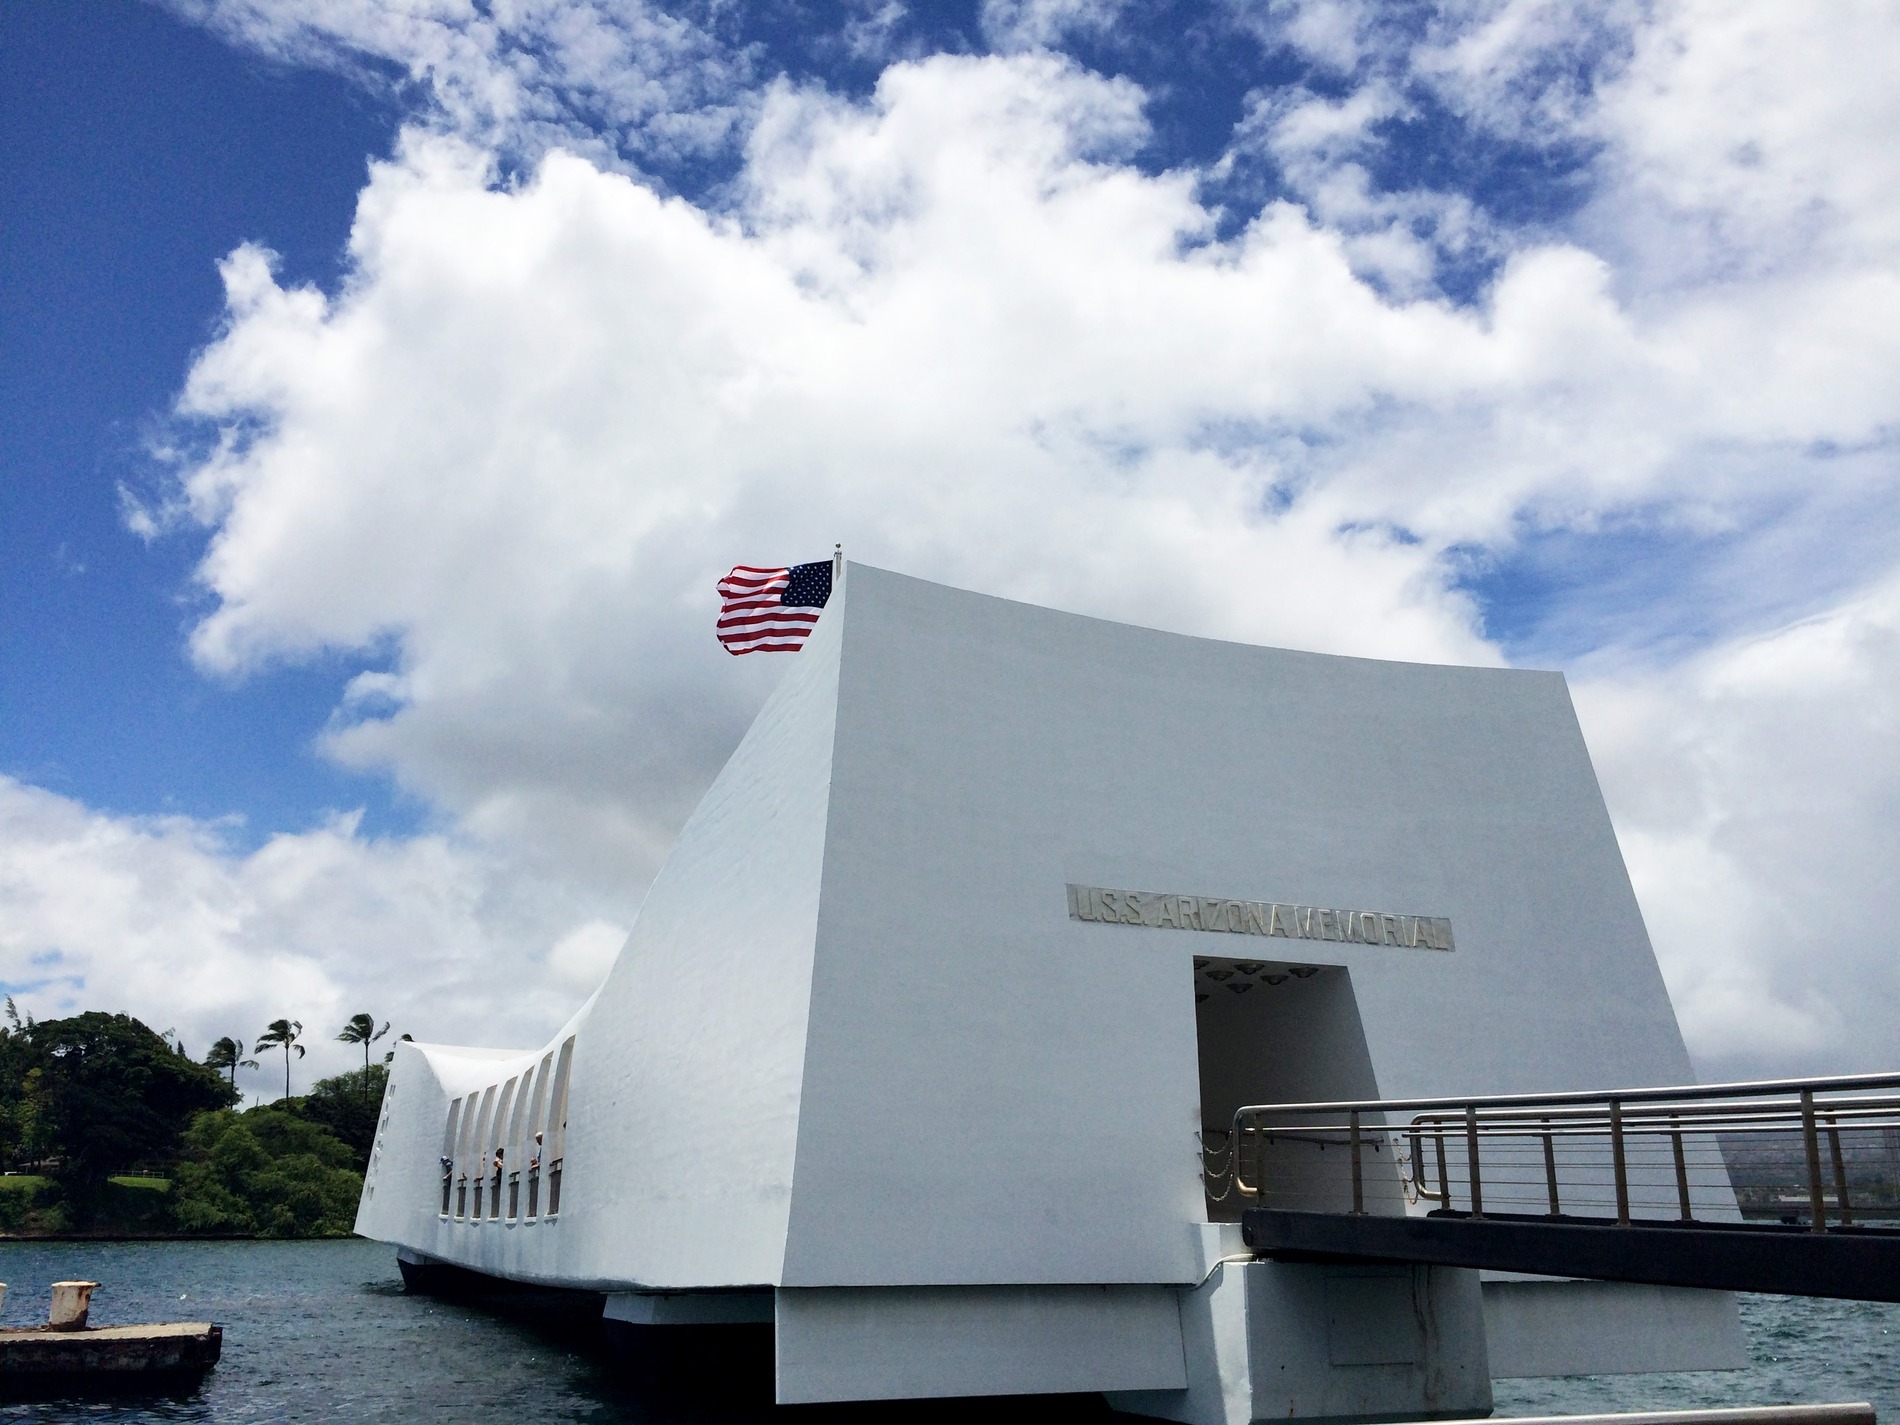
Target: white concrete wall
column 891, row 1343
column 1023, row 1084
column 1573, row 1328
column 1287, row 1340
column 855, row 1039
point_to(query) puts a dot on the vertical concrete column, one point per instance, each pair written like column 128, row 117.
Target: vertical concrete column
column 1297, row 1341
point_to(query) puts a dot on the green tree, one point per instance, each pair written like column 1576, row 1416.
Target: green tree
column 282, row 1033
column 362, row 1030
column 267, row 1173
column 348, row 1106
column 106, row 1093
column 17, row 1146
column 227, row 1056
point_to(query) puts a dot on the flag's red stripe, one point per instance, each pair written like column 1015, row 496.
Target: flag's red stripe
column 774, row 635
column 764, row 648
column 751, row 617
column 777, row 635
column 761, row 623
column 743, row 645
column 776, row 615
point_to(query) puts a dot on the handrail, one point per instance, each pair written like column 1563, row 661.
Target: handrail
column 1839, row 1084
column 1700, row 1123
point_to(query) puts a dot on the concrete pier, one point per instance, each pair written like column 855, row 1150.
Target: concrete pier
column 42, row 1362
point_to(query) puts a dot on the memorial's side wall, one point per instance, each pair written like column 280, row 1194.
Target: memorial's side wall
column 687, row 1076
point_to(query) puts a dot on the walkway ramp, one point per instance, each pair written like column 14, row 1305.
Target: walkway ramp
column 1790, row 1187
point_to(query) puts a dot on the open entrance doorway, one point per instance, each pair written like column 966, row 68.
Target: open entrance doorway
column 1275, row 1032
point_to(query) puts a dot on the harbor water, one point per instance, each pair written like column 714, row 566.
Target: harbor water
column 324, row 1331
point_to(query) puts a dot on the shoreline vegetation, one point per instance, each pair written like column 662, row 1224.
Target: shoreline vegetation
column 110, row 1131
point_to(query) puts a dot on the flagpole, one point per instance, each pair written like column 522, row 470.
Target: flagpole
column 837, row 564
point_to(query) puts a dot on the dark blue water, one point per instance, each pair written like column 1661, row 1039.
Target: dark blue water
column 1802, row 1351
column 324, row 1331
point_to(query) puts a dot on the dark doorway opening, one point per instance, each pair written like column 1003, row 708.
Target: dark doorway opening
column 1279, row 1032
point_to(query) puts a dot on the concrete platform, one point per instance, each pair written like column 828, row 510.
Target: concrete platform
column 38, row 1363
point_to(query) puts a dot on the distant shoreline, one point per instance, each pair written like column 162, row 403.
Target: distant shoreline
column 159, row 1237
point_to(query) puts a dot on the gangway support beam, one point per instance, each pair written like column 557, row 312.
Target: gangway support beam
column 1851, row 1263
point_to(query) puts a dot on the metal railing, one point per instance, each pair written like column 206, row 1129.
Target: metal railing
column 1810, row 1151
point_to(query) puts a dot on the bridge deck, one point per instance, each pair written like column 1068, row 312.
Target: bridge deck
column 1858, row 1263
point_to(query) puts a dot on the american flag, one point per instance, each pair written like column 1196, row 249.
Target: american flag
column 771, row 610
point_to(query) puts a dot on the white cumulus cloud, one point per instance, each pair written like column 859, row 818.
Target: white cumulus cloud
column 162, row 918
column 957, row 328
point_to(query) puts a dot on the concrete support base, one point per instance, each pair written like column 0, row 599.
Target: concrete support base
column 1279, row 1340
column 897, row 1343
column 1572, row 1328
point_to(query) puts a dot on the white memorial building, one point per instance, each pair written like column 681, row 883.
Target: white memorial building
column 993, row 914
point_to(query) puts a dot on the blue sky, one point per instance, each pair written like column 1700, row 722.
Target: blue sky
column 137, row 152
column 354, row 595
column 140, row 150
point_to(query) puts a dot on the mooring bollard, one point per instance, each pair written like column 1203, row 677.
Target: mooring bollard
column 71, row 1302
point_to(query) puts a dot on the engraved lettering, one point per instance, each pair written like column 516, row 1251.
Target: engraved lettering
column 1164, row 910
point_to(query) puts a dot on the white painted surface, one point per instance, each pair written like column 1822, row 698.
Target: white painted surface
column 855, row 1039
column 684, row 1095
column 1565, row 1328
column 1277, row 1340
column 892, row 1343
column 71, row 1302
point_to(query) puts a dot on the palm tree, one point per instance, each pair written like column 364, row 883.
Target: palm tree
column 362, row 1030
column 282, row 1032
column 228, row 1054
